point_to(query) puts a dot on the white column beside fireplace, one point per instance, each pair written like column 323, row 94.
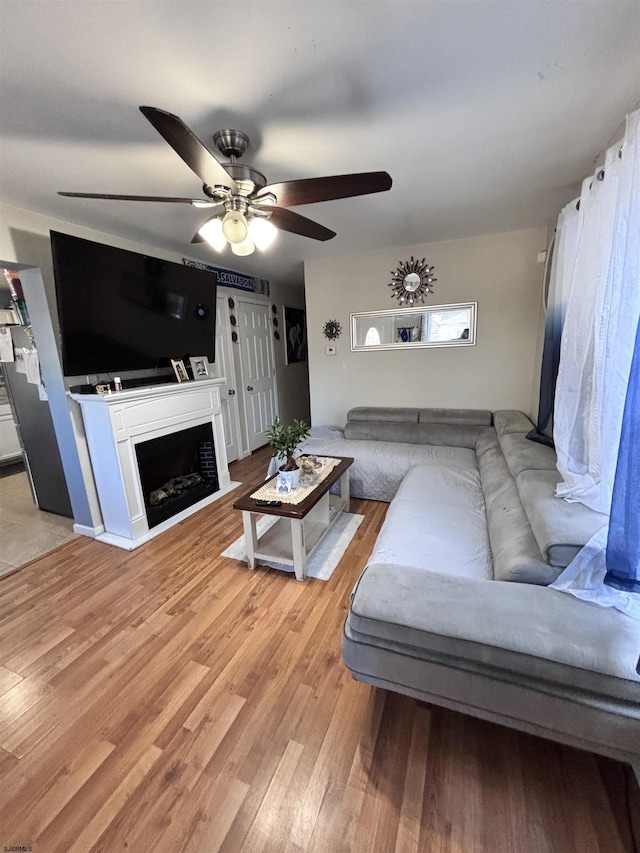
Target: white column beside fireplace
column 115, row 423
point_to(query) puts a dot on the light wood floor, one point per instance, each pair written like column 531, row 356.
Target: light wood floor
column 170, row 700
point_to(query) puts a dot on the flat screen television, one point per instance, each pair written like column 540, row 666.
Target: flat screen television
column 120, row 310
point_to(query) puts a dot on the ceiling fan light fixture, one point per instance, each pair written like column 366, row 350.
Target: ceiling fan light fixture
column 246, row 247
column 234, row 227
column 211, row 231
column 262, row 232
column 243, row 192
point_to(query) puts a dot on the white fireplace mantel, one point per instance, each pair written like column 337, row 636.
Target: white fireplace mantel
column 115, row 423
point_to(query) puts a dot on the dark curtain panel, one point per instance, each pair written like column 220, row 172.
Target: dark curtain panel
column 623, row 544
column 543, row 432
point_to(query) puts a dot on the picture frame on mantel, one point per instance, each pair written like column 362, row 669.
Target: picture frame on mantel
column 180, row 370
column 200, row 367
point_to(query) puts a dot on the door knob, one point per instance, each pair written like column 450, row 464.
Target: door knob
column 231, row 392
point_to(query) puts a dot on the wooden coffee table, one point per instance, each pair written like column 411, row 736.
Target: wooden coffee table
column 300, row 527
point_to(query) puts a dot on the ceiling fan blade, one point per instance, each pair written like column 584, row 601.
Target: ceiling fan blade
column 312, row 190
column 136, row 198
column 187, row 146
column 287, row 220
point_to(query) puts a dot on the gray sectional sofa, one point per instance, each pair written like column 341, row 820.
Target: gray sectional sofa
column 453, row 606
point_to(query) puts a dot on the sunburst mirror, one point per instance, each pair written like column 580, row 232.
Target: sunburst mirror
column 332, row 330
column 412, row 281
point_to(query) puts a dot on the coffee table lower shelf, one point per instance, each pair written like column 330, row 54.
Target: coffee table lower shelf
column 291, row 541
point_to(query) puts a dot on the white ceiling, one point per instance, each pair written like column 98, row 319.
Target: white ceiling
column 485, row 114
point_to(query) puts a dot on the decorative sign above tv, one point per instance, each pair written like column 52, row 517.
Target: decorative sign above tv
column 228, row 278
column 120, row 310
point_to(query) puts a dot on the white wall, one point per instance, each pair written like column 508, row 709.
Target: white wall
column 500, row 272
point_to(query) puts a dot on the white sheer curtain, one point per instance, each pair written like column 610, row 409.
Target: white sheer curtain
column 563, row 253
column 564, row 257
column 599, row 329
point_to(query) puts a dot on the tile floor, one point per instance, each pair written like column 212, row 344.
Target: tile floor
column 26, row 532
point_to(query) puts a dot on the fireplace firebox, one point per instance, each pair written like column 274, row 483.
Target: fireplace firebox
column 176, row 471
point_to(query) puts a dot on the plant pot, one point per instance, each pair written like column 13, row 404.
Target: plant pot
column 288, row 481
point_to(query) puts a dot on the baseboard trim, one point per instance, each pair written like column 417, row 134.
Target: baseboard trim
column 85, row 530
column 131, row 544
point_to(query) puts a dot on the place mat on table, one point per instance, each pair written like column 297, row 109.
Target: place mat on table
column 268, row 491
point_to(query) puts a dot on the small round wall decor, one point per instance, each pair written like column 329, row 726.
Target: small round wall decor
column 332, row 330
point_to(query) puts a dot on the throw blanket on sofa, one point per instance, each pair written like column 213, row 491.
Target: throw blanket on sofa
column 380, row 466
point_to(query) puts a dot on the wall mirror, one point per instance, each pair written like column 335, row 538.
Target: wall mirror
column 409, row 328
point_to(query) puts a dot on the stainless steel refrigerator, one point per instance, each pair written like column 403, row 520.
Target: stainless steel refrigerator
column 36, row 434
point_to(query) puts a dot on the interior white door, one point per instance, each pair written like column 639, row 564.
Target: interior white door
column 224, row 367
column 258, row 369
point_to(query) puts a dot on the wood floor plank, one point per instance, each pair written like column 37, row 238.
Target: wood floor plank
column 98, row 823
column 170, row 699
column 8, row 679
column 217, row 814
column 200, row 743
column 408, row 835
column 276, row 801
column 24, row 819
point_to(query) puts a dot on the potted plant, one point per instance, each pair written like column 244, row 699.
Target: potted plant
column 284, row 441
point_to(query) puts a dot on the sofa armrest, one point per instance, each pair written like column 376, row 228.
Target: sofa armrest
column 394, row 602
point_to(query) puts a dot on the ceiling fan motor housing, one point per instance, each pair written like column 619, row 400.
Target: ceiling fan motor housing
column 231, row 143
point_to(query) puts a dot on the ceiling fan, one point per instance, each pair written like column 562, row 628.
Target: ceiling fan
column 247, row 210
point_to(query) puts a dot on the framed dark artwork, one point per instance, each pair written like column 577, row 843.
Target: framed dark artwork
column 295, row 335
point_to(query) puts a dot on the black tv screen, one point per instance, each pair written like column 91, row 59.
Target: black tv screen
column 120, row 310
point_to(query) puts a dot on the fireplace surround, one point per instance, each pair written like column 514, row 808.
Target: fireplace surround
column 140, row 440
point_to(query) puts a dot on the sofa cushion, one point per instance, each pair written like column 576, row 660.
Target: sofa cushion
column 383, row 413
column 561, row 528
column 511, row 420
column 487, row 439
column 524, row 629
column 437, row 522
column 468, row 417
column 448, row 427
column 453, row 435
column 514, row 548
column 524, row 455
column 397, row 431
